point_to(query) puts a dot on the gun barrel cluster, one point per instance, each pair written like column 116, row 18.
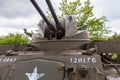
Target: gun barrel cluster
column 50, row 30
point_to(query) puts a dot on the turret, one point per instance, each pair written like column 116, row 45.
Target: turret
column 65, row 28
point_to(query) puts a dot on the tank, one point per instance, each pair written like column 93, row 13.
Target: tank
column 59, row 51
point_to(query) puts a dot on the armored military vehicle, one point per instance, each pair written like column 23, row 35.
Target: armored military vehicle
column 59, row 51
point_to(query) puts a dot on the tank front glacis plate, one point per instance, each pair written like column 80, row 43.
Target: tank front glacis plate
column 44, row 67
column 36, row 70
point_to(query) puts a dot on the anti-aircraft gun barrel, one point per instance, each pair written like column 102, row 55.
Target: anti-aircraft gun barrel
column 50, row 30
column 40, row 11
column 52, row 11
column 60, row 30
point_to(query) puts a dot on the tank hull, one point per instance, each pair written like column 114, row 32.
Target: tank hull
column 48, row 67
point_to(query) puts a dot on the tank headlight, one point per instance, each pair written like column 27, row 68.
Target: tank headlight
column 83, row 72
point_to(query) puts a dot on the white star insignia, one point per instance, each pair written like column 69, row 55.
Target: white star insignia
column 34, row 75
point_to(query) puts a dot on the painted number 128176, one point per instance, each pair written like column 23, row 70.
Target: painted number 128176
column 83, row 60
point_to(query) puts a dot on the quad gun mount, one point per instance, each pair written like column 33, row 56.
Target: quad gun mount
column 50, row 30
column 57, row 28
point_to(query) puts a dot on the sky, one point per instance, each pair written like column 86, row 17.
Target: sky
column 15, row 15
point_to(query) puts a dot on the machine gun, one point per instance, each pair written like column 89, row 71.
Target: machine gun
column 50, row 31
column 60, row 30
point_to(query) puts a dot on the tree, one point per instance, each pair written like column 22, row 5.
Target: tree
column 86, row 18
column 13, row 39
